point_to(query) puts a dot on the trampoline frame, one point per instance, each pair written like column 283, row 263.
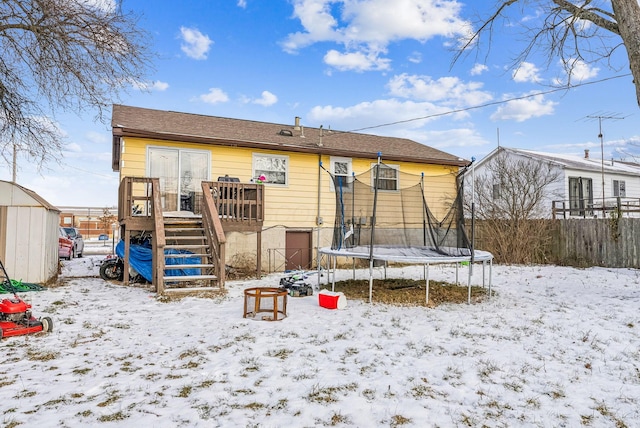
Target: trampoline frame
column 393, row 254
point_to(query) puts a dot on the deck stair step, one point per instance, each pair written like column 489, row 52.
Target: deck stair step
column 186, row 256
column 184, row 229
column 184, row 238
column 192, row 290
column 185, row 246
column 188, row 266
column 184, row 278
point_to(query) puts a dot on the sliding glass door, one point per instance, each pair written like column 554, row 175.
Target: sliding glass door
column 180, row 173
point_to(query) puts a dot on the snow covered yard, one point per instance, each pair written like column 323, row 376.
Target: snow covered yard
column 555, row 347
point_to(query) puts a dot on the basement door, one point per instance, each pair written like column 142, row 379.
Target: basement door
column 180, row 173
column 298, row 250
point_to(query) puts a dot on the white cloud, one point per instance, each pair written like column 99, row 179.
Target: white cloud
column 73, row 147
column 374, row 113
column 527, row 72
column 478, row 69
column 214, row 96
column 195, row 44
column 582, row 71
column 267, row 99
column 108, row 6
column 447, row 90
column 524, row 109
column 415, row 57
column 356, row 61
column 156, row 85
column 98, row 137
column 242, row 4
column 366, row 27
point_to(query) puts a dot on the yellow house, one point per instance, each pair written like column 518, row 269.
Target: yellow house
column 172, row 164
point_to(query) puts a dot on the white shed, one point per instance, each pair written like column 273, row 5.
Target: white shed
column 28, row 234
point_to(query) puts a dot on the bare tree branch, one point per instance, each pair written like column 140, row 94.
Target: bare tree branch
column 563, row 33
column 62, row 56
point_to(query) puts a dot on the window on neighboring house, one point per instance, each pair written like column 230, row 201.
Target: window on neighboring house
column 580, row 196
column 387, row 178
column 496, row 191
column 275, row 168
column 619, row 188
column 341, row 169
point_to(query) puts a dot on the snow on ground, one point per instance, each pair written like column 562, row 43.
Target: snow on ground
column 555, row 346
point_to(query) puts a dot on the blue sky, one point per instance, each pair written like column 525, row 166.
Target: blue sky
column 351, row 65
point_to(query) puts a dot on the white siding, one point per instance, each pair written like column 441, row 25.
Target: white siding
column 30, row 243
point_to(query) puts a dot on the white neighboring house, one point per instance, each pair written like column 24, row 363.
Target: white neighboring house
column 585, row 186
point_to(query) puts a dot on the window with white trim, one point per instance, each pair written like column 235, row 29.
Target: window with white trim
column 619, row 188
column 274, row 168
column 387, row 178
column 496, row 191
column 341, row 169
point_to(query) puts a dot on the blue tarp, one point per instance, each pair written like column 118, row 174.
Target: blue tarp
column 140, row 258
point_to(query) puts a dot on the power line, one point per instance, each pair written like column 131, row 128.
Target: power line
column 493, row 103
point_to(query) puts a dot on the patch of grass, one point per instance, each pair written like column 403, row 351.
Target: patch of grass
column 25, row 393
column 185, row 391
column 399, row 420
column 338, row 418
column 6, row 382
column 117, row 416
column 283, row 353
column 82, row 371
column 113, row 397
column 41, row 355
column 328, row 394
column 409, row 292
column 189, row 353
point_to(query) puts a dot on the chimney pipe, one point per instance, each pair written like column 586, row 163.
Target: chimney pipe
column 297, row 124
column 586, row 153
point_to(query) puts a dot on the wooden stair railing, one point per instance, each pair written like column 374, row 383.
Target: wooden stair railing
column 140, row 210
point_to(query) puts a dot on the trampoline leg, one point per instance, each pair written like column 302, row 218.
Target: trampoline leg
column 426, row 277
column 490, row 270
column 469, row 284
column 457, row 265
column 333, row 269
column 370, row 280
column 484, row 264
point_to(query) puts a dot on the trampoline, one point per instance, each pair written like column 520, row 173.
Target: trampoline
column 413, row 255
column 388, row 215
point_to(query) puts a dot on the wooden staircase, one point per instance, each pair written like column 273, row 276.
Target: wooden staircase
column 187, row 251
column 196, row 244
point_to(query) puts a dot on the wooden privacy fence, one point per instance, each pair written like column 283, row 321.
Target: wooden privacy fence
column 609, row 242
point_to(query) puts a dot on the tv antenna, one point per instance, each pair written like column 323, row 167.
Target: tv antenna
column 600, row 116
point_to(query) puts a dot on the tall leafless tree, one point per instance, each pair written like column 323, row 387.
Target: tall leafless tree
column 571, row 30
column 62, row 56
column 512, row 196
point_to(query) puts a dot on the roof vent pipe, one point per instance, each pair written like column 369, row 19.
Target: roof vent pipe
column 586, row 153
column 321, row 135
column 302, row 132
column 297, row 124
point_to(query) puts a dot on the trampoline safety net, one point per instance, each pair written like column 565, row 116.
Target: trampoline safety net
column 395, row 212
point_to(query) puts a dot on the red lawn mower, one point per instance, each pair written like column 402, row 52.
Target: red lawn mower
column 15, row 313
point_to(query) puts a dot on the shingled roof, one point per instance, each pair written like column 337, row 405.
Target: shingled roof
column 130, row 121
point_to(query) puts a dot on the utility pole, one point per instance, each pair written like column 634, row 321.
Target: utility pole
column 15, row 163
column 601, row 117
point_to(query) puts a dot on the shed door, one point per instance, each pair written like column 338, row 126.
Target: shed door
column 298, row 250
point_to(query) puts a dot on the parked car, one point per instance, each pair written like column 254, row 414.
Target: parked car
column 78, row 242
column 65, row 244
